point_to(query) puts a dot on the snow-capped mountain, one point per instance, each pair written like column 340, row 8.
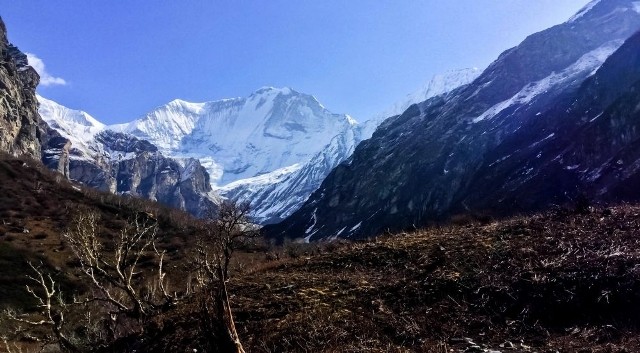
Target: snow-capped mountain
column 91, row 141
column 258, row 149
column 247, row 144
column 505, row 143
column 242, row 138
column 121, row 163
column 75, row 125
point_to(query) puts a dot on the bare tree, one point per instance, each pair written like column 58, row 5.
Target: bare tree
column 118, row 300
column 113, row 273
column 225, row 229
column 228, row 228
column 52, row 309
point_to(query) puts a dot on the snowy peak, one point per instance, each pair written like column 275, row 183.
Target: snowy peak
column 297, row 114
column 447, row 82
column 438, row 85
column 278, row 111
column 238, row 138
column 269, row 90
column 55, row 112
column 75, row 125
column 165, row 125
column 597, row 9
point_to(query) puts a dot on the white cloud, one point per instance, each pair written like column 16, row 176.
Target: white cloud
column 45, row 78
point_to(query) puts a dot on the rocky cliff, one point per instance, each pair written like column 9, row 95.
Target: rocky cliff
column 135, row 167
column 19, row 120
column 22, row 131
column 120, row 163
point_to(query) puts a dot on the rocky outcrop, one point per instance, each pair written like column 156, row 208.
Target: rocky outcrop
column 55, row 150
column 501, row 144
column 180, row 184
column 19, row 119
column 120, row 163
column 129, row 166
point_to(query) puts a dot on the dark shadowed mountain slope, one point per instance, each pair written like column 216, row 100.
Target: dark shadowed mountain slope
column 587, row 143
column 479, row 147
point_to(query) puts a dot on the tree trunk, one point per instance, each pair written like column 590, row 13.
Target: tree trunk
column 227, row 315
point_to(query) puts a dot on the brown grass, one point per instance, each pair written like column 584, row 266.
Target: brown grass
column 556, row 281
column 37, row 205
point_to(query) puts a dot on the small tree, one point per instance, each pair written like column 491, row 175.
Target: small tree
column 112, row 269
column 225, row 229
column 117, row 302
column 52, row 309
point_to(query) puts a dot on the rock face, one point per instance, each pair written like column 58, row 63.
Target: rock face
column 19, row 120
column 519, row 138
column 23, row 131
column 182, row 184
column 55, row 150
column 124, row 164
column 587, row 142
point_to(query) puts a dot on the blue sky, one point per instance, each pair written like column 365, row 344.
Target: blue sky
column 119, row 59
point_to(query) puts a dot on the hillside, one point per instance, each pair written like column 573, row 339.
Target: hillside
column 566, row 280
column 37, row 205
column 562, row 281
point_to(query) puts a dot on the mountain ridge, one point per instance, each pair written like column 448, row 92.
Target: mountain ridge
column 419, row 166
column 273, row 194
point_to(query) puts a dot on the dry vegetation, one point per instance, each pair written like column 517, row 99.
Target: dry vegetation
column 561, row 281
column 564, row 280
column 37, row 205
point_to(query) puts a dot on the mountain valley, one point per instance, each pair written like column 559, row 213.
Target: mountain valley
column 490, row 211
column 272, row 149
